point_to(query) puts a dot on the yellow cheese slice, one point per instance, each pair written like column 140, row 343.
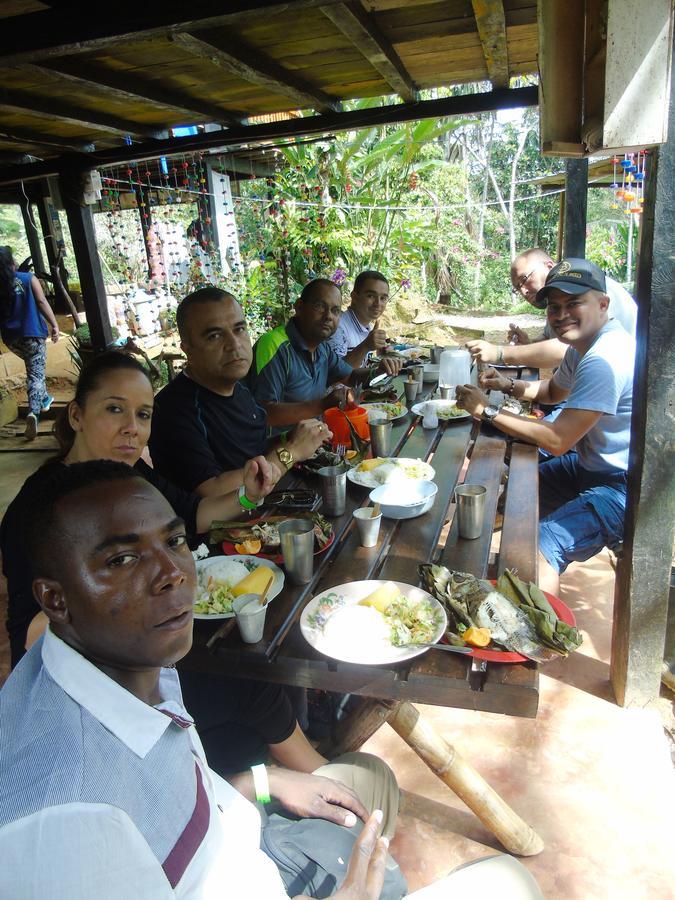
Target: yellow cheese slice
column 369, row 464
column 382, row 596
column 255, row 582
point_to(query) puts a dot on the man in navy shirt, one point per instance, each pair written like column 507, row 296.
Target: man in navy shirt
column 294, row 364
column 206, row 423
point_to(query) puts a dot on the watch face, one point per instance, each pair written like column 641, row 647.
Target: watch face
column 286, row 457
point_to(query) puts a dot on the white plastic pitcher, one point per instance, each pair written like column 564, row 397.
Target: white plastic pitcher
column 455, row 368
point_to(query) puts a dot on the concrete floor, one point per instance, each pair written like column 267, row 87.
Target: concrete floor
column 595, row 781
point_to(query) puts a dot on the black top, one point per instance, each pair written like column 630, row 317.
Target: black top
column 197, row 434
column 22, row 606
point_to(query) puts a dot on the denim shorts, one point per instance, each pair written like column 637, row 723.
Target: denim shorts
column 580, row 511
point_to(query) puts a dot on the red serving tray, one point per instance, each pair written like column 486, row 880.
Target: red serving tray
column 563, row 612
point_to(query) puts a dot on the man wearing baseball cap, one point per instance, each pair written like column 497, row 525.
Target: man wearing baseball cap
column 529, row 271
column 582, row 491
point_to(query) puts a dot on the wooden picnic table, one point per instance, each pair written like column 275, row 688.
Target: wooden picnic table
column 460, row 450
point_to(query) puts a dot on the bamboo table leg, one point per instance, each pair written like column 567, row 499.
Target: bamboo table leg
column 442, row 758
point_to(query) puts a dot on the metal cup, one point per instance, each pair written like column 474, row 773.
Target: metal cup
column 380, row 438
column 297, row 549
column 447, row 393
column 411, row 390
column 250, row 616
column 470, row 499
column 436, row 354
column 334, row 489
column 418, row 374
column 368, row 525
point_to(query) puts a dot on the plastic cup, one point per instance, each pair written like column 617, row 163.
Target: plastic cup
column 380, row 438
column 368, row 525
column 411, row 390
column 250, row 616
column 297, row 549
column 334, row 488
column 470, row 499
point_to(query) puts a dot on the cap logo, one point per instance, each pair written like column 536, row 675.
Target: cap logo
column 563, row 268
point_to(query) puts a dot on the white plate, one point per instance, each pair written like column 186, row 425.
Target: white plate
column 402, row 410
column 367, row 478
column 358, row 636
column 239, row 566
column 415, row 352
column 440, row 406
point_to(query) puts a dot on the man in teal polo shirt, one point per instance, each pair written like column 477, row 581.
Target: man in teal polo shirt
column 294, row 365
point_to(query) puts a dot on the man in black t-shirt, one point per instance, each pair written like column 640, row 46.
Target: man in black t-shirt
column 206, row 423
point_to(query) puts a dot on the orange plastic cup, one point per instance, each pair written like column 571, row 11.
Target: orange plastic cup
column 336, row 421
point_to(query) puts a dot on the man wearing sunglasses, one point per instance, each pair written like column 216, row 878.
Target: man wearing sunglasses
column 529, row 271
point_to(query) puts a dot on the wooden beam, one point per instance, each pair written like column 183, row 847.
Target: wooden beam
column 561, row 26
column 460, row 105
column 66, row 32
column 576, row 203
column 491, row 24
column 126, row 88
column 237, row 59
column 39, row 139
column 643, row 572
column 14, row 101
column 355, row 23
column 83, row 235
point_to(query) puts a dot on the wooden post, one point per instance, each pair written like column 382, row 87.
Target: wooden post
column 81, row 224
column 576, row 201
column 32, row 234
column 643, row 573
column 484, row 801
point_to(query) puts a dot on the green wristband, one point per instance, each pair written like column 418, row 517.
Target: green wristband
column 245, row 502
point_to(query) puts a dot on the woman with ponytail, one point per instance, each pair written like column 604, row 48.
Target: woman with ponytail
column 23, row 310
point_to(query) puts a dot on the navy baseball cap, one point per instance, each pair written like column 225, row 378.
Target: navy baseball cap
column 572, row 276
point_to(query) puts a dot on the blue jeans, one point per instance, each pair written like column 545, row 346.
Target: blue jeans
column 580, row 512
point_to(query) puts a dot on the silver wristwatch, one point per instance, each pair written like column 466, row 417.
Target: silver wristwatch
column 490, row 412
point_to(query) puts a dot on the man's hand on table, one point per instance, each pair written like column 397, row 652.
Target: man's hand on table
column 492, row 380
column 472, row 399
column 307, row 437
column 315, row 797
column 260, row 477
column 483, row 351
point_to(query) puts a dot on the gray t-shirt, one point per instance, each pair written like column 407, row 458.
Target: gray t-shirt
column 602, row 380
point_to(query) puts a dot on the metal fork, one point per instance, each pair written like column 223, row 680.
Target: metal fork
column 341, row 450
column 451, row 648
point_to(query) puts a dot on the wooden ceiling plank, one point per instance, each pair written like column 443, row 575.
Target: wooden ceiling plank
column 360, row 28
column 130, row 88
column 236, row 57
column 66, row 32
column 40, row 139
column 491, row 24
column 14, row 101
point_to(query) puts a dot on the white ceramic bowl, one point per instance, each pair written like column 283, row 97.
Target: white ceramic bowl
column 431, row 372
column 405, row 501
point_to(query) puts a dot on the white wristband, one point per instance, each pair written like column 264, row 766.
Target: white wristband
column 261, row 784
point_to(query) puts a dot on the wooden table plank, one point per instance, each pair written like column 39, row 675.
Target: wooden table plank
column 520, row 529
column 486, row 467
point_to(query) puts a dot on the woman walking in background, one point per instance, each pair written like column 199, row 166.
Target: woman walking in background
column 23, row 310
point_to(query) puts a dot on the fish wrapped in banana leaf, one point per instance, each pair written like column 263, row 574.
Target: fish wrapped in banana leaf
column 518, row 616
column 267, row 531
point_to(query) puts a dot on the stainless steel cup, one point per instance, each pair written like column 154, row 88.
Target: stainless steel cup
column 436, row 354
column 411, row 390
column 418, row 374
column 470, row 499
column 380, row 438
column 250, row 616
column 297, row 549
column 369, row 526
column 447, row 393
column 334, row 489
